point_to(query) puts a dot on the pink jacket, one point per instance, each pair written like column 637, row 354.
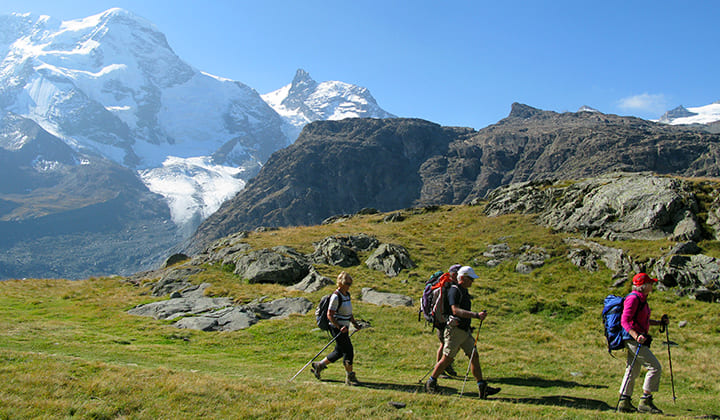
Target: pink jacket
column 632, row 318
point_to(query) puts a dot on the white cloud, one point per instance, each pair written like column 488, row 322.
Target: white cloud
column 653, row 103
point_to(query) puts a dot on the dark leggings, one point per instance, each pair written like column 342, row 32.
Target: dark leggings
column 343, row 347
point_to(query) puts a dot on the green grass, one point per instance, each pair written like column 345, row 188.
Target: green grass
column 68, row 349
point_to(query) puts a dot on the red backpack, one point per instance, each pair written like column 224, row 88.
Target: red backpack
column 432, row 302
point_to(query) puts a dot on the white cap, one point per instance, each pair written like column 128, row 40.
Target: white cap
column 467, row 271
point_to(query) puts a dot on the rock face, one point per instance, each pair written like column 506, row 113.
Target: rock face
column 338, row 167
column 334, row 167
column 617, row 207
column 613, row 206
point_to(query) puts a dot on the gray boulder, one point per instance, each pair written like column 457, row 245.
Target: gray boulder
column 332, row 252
column 697, row 276
column 614, row 259
column 342, row 250
column 226, row 319
column 279, row 308
column 190, row 302
column 390, row 259
column 370, row 295
column 277, row 265
column 685, row 248
column 497, row 253
column 174, row 279
column 313, row 282
column 193, row 310
column 531, row 257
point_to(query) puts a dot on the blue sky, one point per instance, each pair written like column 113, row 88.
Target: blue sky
column 452, row 62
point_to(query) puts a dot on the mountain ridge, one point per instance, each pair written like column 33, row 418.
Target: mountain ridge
column 339, row 167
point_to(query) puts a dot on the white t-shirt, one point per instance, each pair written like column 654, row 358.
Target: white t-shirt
column 343, row 308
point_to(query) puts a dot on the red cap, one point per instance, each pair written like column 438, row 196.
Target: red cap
column 641, row 278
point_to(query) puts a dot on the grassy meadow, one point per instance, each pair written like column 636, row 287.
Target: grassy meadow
column 68, row 349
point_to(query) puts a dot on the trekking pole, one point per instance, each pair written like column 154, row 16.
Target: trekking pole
column 429, row 372
column 632, row 364
column 315, row 357
column 477, row 336
column 323, row 349
column 667, row 340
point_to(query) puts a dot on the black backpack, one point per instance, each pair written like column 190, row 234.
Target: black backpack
column 321, row 318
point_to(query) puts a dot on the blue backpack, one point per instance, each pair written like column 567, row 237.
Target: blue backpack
column 611, row 314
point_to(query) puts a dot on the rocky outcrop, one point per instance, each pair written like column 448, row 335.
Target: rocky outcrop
column 613, row 206
column 342, row 250
column 194, row 310
column 390, row 259
column 528, row 258
column 339, row 167
column 531, row 257
column 313, row 282
column 697, row 276
column 585, row 254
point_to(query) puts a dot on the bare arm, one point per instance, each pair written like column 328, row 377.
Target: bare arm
column 462, row 313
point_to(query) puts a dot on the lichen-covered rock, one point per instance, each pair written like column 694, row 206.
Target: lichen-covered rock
column 280, row 266
column 390, row 259
column 614, row 206
column 370, row 295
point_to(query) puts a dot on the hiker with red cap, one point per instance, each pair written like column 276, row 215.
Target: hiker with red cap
column 636, row 321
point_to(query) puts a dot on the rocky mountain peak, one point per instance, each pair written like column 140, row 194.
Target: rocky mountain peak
column 301, row 88
column 519, row 110
column 586, row 108
column 679, row 112
column 302, row 81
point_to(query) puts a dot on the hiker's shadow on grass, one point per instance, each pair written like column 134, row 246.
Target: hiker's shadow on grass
column 537, row 382
column 561, row 401
column 384, row 386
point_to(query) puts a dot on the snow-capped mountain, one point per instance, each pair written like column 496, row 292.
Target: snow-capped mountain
column 305, row 100
column 111, row 88
column 692, row 115
column 111, row 83
column 586, row 108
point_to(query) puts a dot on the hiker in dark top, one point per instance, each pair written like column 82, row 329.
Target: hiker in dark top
column 452, row 274
column 458, row 334
column 636, row 321
column 340, row 316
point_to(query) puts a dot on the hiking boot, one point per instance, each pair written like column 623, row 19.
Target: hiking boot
column 450, row 371
column 646, row 406
column 431, row 387
column 316, row 368
column 485, row 390
column 351, row 379
column 625, row 406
